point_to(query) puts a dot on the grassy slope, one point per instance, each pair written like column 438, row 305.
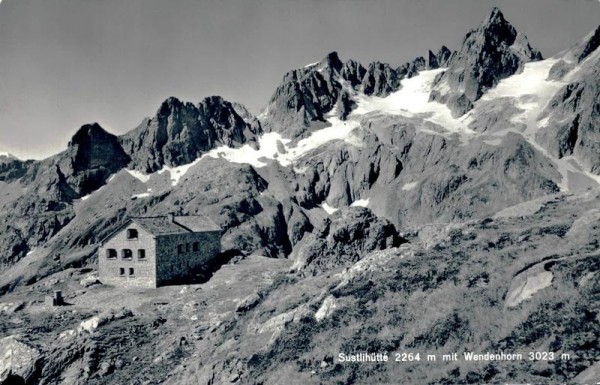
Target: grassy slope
column 444, row 292
column 447, row 297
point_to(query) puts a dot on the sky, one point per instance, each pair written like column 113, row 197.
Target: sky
column 65, row 63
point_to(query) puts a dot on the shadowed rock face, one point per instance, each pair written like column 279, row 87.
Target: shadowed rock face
column 444, row 56
column 587, row 46
column 307, row 94
column 573, row 119
column 490, row 53
column 353, row 72
column 380, row 80
column 181, row 132
column 91, row 157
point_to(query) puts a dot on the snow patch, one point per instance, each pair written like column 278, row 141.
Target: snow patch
column 249, row 155
column 85, row 197
column 532, row 284
column 409, row 186
column 142, row 195
column 543, row 122
column 412, row 99
column 300, row 170
column 66, row 334
column 523, row 209
column 337, row 130
column 264, row 113
column 360, row 203
column 178, row 171
column 493, row 142
column 89, row 325
column 327, row 308
column 268, row 149
column 531, row 91
column 138, row 175
column 330, row 210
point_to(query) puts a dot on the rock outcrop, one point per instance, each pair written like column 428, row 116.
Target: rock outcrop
column 443, row 56
column 380, row 80
column 19, row 361
column 12, row 168
column 344, row 238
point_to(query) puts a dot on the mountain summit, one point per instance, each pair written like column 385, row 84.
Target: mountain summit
column 180, row 132
column 489, row 53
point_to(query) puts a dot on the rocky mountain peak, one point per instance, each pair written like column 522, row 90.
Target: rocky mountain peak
column 380, row 80
column 494, row 35
column 353, row 72
column 587, row 46
column 306, row 94
column 170, row 106
column 180, row 132
column 88, row 133
column 432, row 62
column 489, row 53
column 443, row 56
column 496, row 17
column 93, row 154
column 332, row 60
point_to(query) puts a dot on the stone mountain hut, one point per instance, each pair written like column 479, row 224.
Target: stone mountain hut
column 153, row 251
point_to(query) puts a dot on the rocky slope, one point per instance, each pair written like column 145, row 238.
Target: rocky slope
column 419, row 298
column 572, row 117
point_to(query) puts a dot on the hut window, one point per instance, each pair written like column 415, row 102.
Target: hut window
column 131, row 271
column 111, row 254
column 187, row 247
column 196, row 246
column 121, row 271
column 126, row 254
column 180, row 249
column 132, row 234
column 141, row 254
